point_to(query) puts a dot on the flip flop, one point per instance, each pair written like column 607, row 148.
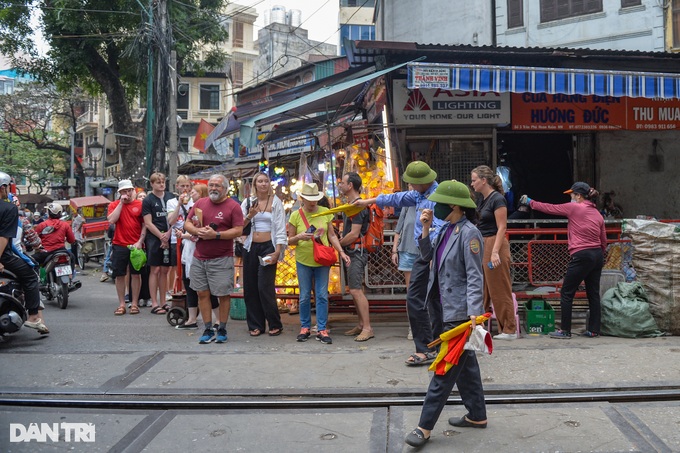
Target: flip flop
column 158, row 311
column 119, row 311
column 416, row 360
column 255, row 333
column 275, row 332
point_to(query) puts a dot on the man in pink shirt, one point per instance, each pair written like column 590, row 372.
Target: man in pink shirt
column 216, row 221
column 587, row 242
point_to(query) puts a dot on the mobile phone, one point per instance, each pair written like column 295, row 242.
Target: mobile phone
column 311, row 229
column 213, row 226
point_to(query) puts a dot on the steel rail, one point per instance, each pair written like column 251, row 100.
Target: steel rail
column 202, row 402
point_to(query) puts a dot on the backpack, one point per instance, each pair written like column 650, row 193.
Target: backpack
column 374, row 237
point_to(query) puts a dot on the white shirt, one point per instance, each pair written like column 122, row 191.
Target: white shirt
column 171, row 206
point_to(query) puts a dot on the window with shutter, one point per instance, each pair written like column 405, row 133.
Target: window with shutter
column 515, row 13
column 238, row 34
column 237, row 74
column 627, row 3
column 562, row 9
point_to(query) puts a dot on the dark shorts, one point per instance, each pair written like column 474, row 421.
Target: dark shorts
column 120, row 261
column 355, row 271
column 154, row 252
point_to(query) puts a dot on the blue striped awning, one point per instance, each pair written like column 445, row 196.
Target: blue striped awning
column 519, row 79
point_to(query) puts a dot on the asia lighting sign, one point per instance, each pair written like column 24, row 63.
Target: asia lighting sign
column 561, row 112
column 437, row 106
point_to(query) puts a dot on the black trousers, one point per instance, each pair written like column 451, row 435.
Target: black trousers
column 259, row 289
column 28, row 280
column 416, row 305
column 466, row 375
column 584, row 266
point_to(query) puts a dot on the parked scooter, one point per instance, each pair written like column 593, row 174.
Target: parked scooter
column 56, row 278
column 12, row 311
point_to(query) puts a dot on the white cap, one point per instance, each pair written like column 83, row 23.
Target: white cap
column 125, row 184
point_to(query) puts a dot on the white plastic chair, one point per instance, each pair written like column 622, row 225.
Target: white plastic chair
column 517, row 323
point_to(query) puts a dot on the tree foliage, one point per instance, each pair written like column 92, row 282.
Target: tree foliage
column 103, row 47
column 40, row 167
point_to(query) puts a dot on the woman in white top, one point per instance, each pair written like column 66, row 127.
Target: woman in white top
column 263, row 248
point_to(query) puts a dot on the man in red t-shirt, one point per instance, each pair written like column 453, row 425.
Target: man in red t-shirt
column 126, row 214
column 216, row 221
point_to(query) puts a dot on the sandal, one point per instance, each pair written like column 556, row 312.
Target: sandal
column 354, row 332
column 157, row 311
column 119, row 311
column 255, row 333
column 365, row 335
column 275, row 332
column 166, row 307
column 134, row 310
column 416, row 360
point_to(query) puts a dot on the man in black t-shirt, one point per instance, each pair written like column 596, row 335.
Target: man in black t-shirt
column 28, row 279
column 155, row 213
column 354, row 229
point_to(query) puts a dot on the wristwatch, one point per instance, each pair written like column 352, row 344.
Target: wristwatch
column 217, row 235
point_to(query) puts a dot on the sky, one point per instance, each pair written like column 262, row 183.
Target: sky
column 319, row 17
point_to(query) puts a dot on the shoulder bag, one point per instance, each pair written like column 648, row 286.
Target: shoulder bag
column 323, row 254
column 249, row 227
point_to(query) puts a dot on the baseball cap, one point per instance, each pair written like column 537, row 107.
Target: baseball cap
column 579, row 188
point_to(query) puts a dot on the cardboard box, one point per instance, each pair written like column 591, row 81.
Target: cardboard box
column 539, row 321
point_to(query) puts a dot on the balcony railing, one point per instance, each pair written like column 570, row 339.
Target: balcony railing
column 197, row 115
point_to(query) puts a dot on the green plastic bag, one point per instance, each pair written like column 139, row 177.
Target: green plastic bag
column 625, row 312
column 137, row 258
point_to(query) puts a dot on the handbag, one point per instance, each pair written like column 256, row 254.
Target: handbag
column 246, row 229
column 323, row 254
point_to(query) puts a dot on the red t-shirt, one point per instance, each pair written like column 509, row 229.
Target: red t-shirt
column 129, row 225
column 55, row 240
column 224, row 215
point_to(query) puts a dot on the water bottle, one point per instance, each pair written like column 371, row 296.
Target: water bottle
column 490, row 264
column 166, row 256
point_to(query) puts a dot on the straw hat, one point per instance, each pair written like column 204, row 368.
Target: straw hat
column 310, row 192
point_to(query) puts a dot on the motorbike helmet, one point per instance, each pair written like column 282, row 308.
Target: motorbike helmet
column 54, row 208
column 5, row 179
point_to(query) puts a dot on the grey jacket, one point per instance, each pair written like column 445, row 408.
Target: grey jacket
column 459, row 277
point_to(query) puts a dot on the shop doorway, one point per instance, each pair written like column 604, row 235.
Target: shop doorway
column 541, row 165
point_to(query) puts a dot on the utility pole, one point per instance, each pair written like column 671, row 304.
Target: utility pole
column 172, row 119
column 149, row 97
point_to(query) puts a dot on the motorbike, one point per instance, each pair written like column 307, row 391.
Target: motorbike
column 12, row 311
column 56, row 278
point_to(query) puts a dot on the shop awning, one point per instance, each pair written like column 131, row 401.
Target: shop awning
column 519, row 79
column 325, row 99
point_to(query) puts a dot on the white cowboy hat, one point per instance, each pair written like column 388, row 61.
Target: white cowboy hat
column 310, row 192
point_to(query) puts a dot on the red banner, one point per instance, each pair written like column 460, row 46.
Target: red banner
column 561, row 112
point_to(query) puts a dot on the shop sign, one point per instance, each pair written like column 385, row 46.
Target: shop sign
column 448, row 107
column 431, row 76
column 291, row 145
column 562, row 112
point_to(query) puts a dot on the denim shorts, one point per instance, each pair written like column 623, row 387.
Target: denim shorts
column 406, row 261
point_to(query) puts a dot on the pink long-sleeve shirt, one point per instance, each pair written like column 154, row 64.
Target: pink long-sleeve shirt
column 585, row 229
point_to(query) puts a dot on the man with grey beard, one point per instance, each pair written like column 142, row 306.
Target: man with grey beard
column 215, row 221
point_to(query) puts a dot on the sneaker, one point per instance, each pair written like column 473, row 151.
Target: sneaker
column 168, row 296
column 560, row 334
column 323, row 337
column 216, row 326
column 104, row 277
column 505, row 336
column 304, row 334
column 221, row 336
column 207, row 337
column 185, row 326
column 590, row 334
column 127, row 298
column 410, row 334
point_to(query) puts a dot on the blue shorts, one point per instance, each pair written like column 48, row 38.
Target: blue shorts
column 406, row 261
